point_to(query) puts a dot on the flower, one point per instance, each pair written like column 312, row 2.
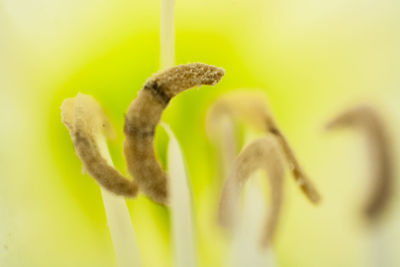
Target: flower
column 311, row 59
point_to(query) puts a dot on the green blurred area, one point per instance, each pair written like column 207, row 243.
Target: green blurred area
column 311, row 59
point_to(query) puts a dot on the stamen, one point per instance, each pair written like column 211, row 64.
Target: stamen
column 145, row 113
column 260, row 154
column 372, row 125
column 298, row 174
column 251, row 107
column 86, row 123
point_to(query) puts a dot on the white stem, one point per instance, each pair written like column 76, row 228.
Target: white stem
column 180, row 205
column 227, row 144
column 380, row 248
column 180, row 200
column 119, row 222
column 167, row 34
column 246, row 249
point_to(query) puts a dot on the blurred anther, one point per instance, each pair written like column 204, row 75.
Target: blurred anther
column 251, row 107
column 262, row 154
column 367, row 120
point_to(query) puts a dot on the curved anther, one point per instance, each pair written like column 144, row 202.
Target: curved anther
column 371, row 124
column 87, row 124
column 144, row 114
column 251, row 107
column 262, row 154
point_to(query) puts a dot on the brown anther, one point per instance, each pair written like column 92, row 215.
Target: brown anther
column 87, row 123
column 144, row 113
column 262, row 154
column 372, row 125
column 251, row 107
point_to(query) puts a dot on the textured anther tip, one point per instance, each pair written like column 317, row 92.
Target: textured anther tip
column 182, row 77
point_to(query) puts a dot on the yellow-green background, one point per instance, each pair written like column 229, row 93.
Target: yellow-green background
column 311, row 58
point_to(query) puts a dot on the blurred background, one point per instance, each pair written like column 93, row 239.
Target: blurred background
column 312, row 59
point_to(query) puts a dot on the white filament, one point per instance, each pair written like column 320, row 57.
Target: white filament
column 246, row 250
column 119, row 222
column 180, row 205
column 179, row 193
column 380, row 248
column 246, row 247
column 167, row 34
